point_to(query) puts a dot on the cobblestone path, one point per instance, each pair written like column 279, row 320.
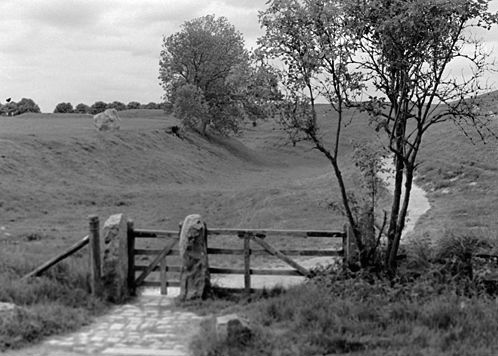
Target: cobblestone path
column 150, row 325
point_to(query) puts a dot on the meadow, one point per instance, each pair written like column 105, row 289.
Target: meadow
column 56, row 169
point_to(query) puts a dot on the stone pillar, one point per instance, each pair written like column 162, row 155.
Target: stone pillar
column 114, row 249
column 194, row 275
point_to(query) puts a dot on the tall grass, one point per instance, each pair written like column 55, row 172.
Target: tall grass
column 433, row 307
column 57, row 302
column 366, row 319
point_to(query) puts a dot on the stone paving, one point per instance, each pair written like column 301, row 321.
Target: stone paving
column 150, row 325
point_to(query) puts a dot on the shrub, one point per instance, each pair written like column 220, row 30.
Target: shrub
column 82, row 109
column 133, row 105
column 119, row 106
column 98, row 107
column 64, row 108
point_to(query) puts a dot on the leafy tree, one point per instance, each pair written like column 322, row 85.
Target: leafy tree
column 313, row 45
column 26, row 105
column 82, row 109
column 133, row 105
column 407, row 47
column 98, row 107
column 63, row 108
column 119, row 106
column 150, row 106
column 208, row 53
column 404, row 49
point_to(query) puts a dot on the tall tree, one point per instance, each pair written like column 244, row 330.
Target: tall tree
column 208, row 54
column 26, row 105
column 407, row 48
column 310, row 40
column 404, row 49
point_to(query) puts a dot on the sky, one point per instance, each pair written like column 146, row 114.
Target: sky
column 83, row 51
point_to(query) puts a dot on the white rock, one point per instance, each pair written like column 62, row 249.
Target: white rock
column 107, row 120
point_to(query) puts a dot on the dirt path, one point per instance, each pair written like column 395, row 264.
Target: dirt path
column 419, row 203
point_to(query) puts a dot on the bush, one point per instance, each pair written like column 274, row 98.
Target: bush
column 98, row 107
column 133, row 105
column 119, row 106
column 64, row 108
column 82, row 109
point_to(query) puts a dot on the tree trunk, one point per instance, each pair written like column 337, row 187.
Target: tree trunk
column 393, row 252
column 393, row 222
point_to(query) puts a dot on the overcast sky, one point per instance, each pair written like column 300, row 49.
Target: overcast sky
column 88, row 50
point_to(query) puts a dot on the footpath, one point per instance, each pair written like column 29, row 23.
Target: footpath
column 149, row 325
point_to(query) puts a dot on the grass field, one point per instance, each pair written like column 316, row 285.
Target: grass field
column 56, row 169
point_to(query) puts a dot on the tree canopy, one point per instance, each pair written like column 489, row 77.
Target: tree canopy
column 63, row 108
column 207, row 61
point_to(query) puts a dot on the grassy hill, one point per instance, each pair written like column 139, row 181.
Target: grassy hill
column 56, row 169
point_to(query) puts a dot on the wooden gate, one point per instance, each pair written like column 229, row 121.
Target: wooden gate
column 165, row 259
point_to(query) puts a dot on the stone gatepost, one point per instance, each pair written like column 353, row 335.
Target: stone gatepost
column 114, row 262
column 194, row 276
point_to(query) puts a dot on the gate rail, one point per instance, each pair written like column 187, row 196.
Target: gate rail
column 257, row 236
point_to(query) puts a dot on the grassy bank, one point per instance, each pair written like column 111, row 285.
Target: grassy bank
column 439, row 304
column 55, row 303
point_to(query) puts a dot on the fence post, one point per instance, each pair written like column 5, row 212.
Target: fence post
column 163, row 276
column 95, row 263
column 131, row 257
column 349, row 246
column 247, row 264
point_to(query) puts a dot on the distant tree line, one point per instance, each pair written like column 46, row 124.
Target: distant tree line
column 11, row 108
column 100, row 106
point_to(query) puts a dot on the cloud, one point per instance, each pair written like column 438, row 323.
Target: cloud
column 66, row 14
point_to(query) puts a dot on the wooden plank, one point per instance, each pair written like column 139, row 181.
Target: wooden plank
column 163, row 276
column 71, row 250
column 239, row 290
column 324, row 253
column 143, row 233
column 155, row 262
column 157, row 268
column 158, row 284
column 260, row 272
column 154, row 252
column 95, row 265
column 146, row 233
column 278, row 254
column 240, row 252
column 131, row 258
column 283, row 233
column 247, row 264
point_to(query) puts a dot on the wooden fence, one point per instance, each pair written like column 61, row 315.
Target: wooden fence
column 257, row 236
